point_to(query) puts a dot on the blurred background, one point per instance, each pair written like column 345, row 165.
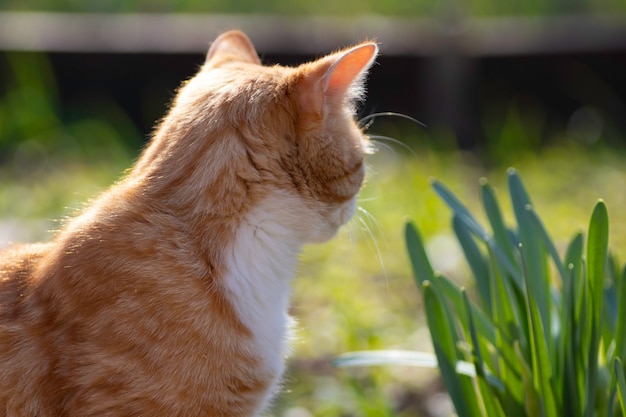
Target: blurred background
column 539, row 85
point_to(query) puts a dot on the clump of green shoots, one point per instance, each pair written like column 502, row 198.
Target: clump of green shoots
column 546, row 334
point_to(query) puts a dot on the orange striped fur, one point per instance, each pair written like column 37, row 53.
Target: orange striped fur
column 168, row 295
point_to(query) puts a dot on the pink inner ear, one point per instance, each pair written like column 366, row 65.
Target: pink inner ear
column 348, row 68
column 331, row 78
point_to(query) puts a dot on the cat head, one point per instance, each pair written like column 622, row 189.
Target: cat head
column 240, row 133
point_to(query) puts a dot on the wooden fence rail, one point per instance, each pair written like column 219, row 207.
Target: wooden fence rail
column 184, row 33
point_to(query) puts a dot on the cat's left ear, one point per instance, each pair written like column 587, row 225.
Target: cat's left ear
column 336, row 78
column 233, row 45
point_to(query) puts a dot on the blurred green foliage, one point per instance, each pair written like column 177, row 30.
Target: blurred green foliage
column 325, row 7
column 35, row 127
column 43, row 144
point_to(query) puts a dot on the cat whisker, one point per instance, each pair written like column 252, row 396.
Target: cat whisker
column 372, row 220
column 366, row 121
column 372, row 242
column 379, row 139
column 352, row 232
column 365, row 200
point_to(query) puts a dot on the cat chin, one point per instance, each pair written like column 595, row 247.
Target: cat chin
column 337, row 218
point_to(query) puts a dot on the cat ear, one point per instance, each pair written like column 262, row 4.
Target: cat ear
column 233, row 45
column 338, row 77
column 348, row 69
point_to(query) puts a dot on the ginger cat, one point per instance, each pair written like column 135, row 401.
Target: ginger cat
column 168, row 295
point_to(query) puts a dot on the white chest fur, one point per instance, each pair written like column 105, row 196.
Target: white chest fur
column 261, row 266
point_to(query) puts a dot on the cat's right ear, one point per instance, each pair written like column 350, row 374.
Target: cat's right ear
column 233, row 45
column 336, row 78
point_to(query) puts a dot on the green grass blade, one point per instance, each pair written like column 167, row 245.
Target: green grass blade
column 576, row 283
column 574, row 252
column 505, row 317
column 590, row 350
column 465, row 216
column 576, row 319
column 597, row 251
column 477, row 357
column 610, row 308
column 597, row 248
column 475, row 260
column 570, row 365
column 459, row 208
column 532, row 402
column 453, row 295
column 542, row 372
column 618, row 368
column 587, row 361
column 445, row 341
column 440, row 324
column 491, row 406
column 610, row 412
column 555, row 342
column 454, row 299
column 536, row 272
column 422, row 269
column 620, row 326
column 610, row 294
column 494, row 214
column 547, row 241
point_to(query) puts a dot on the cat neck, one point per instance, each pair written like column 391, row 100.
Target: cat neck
column 260, row 265
column 262, row 258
